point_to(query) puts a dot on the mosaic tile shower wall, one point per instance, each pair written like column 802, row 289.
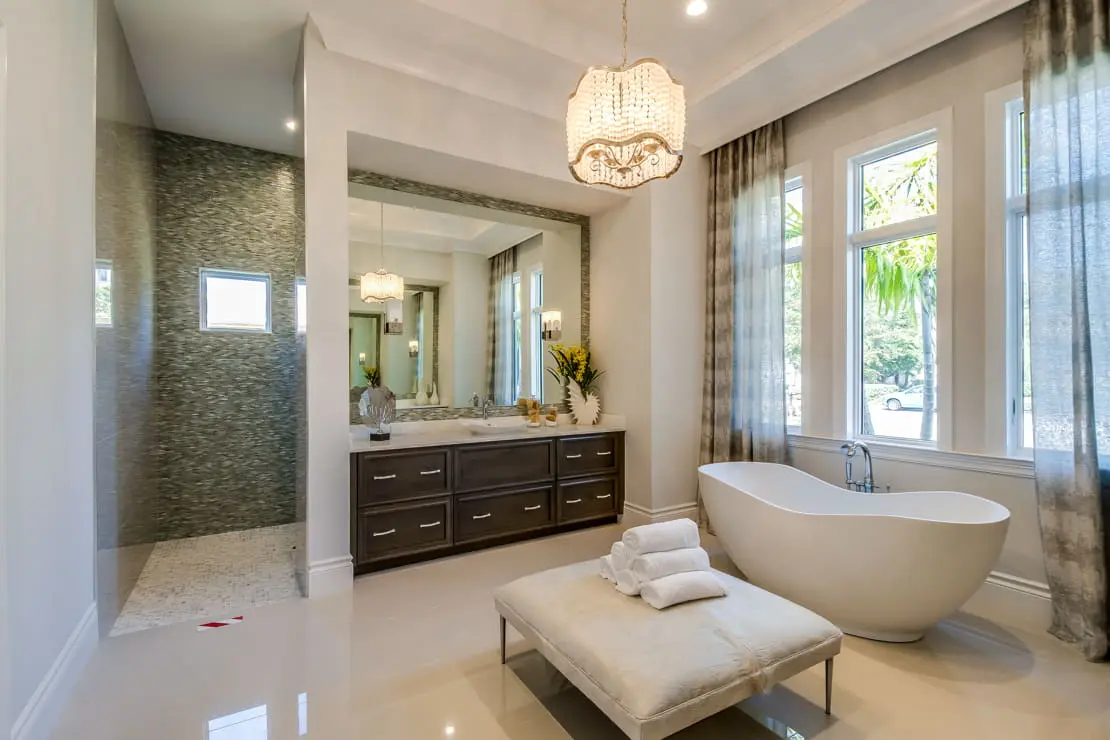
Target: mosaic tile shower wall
column 227, row 404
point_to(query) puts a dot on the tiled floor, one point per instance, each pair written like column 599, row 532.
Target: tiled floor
column 412, row 654
column 210, row 577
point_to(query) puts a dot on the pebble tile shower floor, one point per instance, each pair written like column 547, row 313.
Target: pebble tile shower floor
column 210, row 577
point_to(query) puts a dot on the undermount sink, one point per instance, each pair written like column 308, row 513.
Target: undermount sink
column 489, row 427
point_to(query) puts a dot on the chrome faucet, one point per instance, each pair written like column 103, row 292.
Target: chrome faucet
column 867, row 485
column 486, row 406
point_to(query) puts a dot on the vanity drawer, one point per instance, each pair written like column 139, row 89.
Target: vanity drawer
column 587, row 499
column 588, row 455
column 482, row 466
column 492, row 514
column 396, row 476
column 385, row 531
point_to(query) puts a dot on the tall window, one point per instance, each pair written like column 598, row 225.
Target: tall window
column 893, row 243
column 1017, row 293
column 537, row 334
column 518, row 363
column 301, row 299
column 794, row 223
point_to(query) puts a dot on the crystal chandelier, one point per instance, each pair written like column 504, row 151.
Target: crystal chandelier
column 381, row 286
column 626, row 126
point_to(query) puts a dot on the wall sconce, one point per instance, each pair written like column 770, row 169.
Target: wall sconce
column 362, row 358
column 394, row 318
column 552, row 322
column 414, row 348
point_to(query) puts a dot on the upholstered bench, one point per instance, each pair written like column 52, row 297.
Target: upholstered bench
column 656, row 672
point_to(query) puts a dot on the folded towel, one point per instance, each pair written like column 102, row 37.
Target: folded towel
column 681, row 587
column 620, row 556
column 661, row 537
column 607, row 571
column 653, row 565
column 627, row 583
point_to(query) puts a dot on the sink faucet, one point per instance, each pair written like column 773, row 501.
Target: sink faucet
column 867, row 485
column 486, row 406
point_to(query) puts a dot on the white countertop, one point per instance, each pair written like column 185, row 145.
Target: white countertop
column 410, row 435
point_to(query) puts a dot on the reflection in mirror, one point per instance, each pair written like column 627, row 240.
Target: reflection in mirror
column 478, row 282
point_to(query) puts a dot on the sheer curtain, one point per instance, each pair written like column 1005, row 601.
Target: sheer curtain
column 500, row 340
column 743, row 397
column 1067, row 78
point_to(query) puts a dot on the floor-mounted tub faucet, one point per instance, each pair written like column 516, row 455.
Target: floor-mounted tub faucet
column 867, row 485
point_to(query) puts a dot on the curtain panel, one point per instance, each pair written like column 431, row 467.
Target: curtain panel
column 499, row 336
column 1067, row 108
column 743, row 397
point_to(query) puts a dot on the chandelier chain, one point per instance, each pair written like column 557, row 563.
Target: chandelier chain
column 381, row 234
column 624, row 29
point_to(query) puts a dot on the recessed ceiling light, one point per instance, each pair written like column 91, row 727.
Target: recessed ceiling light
column 291, row 124
column 696, row 7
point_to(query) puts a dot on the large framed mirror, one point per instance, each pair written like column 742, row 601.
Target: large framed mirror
column 489, row 284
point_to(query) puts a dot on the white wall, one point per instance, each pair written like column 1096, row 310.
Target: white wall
column 562, row 285
column 957, row 74
column 48, row 353
column 324, row 134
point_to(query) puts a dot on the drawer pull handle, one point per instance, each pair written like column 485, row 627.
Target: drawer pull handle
column 573, row 457
column 385, row 477
column 481, row 516
column 537, row 507
column 429, row 526
column 430, row 472
column 574, row 501
column 383, row 534
column 608, row 495
column 604, row 454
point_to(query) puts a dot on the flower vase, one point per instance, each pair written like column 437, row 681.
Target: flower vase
column 584, row 407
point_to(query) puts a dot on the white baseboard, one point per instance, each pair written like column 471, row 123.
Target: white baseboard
column 37, row 719
column 636, row 515
column 1013, row 601
column 330, row 576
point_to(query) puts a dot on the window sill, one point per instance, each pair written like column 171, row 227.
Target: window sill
column 1015, row 467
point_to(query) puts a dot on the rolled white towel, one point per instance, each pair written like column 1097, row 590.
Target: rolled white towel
column 620, row 556
column 653, row 565
column 680, row 588
column 661, row 537
column 607, row 571
column 627, row 583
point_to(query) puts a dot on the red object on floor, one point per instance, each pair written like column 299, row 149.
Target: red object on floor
column 218, row 624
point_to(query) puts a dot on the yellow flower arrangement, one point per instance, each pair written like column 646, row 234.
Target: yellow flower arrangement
column 574, row 363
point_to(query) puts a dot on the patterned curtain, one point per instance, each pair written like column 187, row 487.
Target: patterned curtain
column 1067, row 106
column 499, row 337
column 743, row 399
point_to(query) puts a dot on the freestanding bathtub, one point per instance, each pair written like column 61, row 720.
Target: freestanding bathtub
column 881, row 566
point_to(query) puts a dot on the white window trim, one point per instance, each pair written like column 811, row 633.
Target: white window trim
column 1003, row 287
column 804, row 172
column 261, row 277
column 847, row 159
column 536, row 339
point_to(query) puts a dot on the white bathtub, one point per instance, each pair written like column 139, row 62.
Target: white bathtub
column 883, row 566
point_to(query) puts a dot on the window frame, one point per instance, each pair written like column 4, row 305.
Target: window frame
column 300, row 305
column 1005, row 210
column 850, row 238
column 801, row 176
column 516, row 288
column 105, row 264
column 260, row 277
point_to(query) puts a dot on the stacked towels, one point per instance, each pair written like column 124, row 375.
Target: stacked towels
column 662, row 563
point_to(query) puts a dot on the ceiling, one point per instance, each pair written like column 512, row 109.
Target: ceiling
column 431, row 231
column 224, row 70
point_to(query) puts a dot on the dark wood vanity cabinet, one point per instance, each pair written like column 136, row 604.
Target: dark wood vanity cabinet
column 417, row 504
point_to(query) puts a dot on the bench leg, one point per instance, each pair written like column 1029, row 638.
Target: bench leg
column 828, row 684
column 502, row 641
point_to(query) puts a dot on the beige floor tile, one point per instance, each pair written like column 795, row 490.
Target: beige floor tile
column 412, row 654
